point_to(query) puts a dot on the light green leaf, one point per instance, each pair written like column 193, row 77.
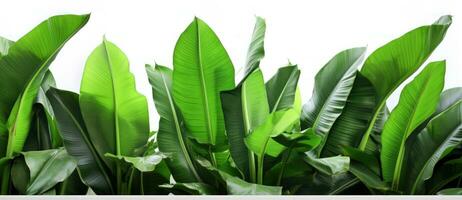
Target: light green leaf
column 417, row 102
column 116, row 115
column 189, row 188
column 201, row 69
column 5, row 44
column 391, row 64
column 260, row 140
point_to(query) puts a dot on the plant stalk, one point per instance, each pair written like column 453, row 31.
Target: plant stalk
column 260, row 169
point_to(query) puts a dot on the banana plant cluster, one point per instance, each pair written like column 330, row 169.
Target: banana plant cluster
column 227, row 132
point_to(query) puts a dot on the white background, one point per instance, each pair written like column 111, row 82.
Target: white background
column 307, row 33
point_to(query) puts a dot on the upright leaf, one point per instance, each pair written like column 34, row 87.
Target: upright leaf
column 202, row 68
column 333, row 84
column 417, row 102
column 393, row 63
column 171, row 135
column 94, row 172
column 256, row 50
column 281, row 88
column 245, row 108
column 116, row 115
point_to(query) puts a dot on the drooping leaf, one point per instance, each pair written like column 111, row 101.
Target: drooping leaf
column 333, row 84
column 281, row 88
column 23, row 69
column 77, row 142
column 448, row 98
column 256, row 50
column 245, row 108
column 201, row 69
column 417, row 102
column 330, row 165
column 171, row 135
column 115, row 114
column 391, row 64
column 442, row 134
column 145, row 163
column 45, row 169
column 450, row 191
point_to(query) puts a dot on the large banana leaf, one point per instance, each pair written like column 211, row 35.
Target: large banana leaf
column 448, row 98
column 333, row 84
column 115, row 114
column 245, row 108
column 202, row 68
column 282, row 87
column 77, row 142
column 391, row 64
column 23, row 69
column 451, row 191
column 256, row 50
column 417, row 102
column 442, row 134
column 346, row 130
column 35, row 172
column 171, row 135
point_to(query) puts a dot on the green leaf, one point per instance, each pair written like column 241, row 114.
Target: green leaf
column 244, row 108
column 418, row 100
column 450, row 191
column 73, row 185
column 143, row 163
column 443, row 175
column 46, row 168
column 370, row 178
column 237, row 186
column 442, row 134
column 260, row 140
column 189, row 188
column 331, row 165
column 256, row 50
column 5, row 44
column 333, row 84
column 202, row 68
column 77, row 142
column 391, row 64
column 281, row 88
column 116, row 115
column 171, row 135
column 448, row 98
column 23, row 69
column 354, row 120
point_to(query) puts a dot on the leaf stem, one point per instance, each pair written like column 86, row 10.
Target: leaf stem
column 252, row 169
column 260, row 169
column 5, row 179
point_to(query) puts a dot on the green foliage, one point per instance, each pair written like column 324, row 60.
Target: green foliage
column 218, row 136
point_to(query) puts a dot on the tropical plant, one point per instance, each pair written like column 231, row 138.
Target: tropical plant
column 217, row 135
